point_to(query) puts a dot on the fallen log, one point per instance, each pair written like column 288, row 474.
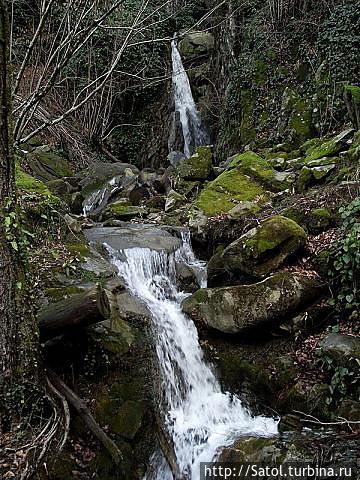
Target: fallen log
column 83, row 309
column 86, row 417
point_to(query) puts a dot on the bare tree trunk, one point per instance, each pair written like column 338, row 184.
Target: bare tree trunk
column 8, row 322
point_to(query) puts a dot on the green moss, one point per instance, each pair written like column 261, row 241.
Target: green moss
column 354, row 91
column 197, row 167
column 27, row 182
column 201, row 296
column 223, row 193
column 273, row 233
column 57, row 294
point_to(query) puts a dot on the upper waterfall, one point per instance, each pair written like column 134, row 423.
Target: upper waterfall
column 193, row 130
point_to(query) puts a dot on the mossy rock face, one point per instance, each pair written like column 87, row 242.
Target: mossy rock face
column 196, row 44
column 314, row 221
column 229, row 188
column 257, row 253
column 296, row 122
column 328, row 148
column 174, row 200
column 256, row 450
column 122, row 408
column 261, row 171
column 48, row 166
column 249, row 308
column 313, row 176
column 123, row 210
column 27, row 182
column 197, row 167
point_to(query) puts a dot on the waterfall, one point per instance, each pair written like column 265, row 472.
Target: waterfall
column 193, row 131
column 199, row 417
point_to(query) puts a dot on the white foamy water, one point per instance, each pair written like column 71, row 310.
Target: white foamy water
column 193, row 131
column 198, row 416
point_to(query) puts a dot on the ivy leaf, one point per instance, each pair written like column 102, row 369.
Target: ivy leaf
column 14, row 245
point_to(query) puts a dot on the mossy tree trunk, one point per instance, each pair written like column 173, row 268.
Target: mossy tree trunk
column 17, row 335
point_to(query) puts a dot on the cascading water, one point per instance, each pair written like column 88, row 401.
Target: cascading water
column 198, row 416
column 193, row 130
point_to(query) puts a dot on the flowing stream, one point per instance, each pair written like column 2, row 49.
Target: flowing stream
column 193, row 130
column 198, row 416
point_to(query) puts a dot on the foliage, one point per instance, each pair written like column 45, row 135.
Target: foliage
column 339, row 41
column 344, row 266
column 343, row 381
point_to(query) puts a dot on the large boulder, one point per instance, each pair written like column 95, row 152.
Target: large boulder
column 196, row 44
column 134, row 236
column 260, row 306
column 197, row 167
column 260, row 170
column 47, row 166
column 226, row 191
column 95, row 176
column 257, row 253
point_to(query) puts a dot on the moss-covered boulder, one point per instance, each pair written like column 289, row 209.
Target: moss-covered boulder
column 256, row 450
column 313, row 221
column 196, row 44
column 47, row 166
column 260, row 170
column 226, row 191
column 123, row 210
column 197, row 167
column 257, row 253
column 93, row 177
column 328, row 147
column 256, row 307
column 26, row 182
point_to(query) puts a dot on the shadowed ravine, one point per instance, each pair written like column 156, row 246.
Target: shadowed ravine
column 198, row 416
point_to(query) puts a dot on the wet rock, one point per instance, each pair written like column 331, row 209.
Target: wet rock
column 256, row 450
column 257, row 253
column 186, row 278
column 134, row 235
column 260, row 306
column 342, row 349
column 97, row 174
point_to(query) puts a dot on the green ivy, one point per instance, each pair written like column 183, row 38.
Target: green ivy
column 344, row 267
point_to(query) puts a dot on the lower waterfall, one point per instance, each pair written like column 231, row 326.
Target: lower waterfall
column 198, row 416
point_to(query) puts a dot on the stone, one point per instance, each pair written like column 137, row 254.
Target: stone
column 93, row 177
column 60, row 187
column 261, row 171
column 197, row 167
column 243, row 209
column 258, row 307
column 257, row 253
column 195, row 44
column 329, row 147
column 226, row 191
column 123, row 210
column 47, row 166
column 342, row 349
column 173, row 201
column 133, row 235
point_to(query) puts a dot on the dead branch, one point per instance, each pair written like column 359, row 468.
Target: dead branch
column 87, row 418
